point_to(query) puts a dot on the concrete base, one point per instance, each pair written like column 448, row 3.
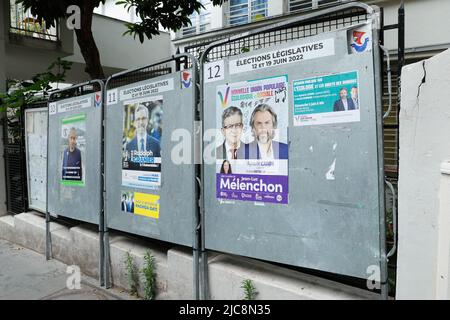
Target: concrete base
column 119, row 246
column 79, row 245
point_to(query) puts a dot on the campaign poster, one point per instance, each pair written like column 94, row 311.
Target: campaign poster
column 73, row 150
column 140, row 203
column 141, row 144
column 252, row 143
column 327, row 99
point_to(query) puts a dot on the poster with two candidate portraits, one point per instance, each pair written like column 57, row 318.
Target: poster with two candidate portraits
column 252, row 143
column 327, row 99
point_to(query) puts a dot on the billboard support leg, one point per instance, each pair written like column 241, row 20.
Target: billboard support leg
column 102, row 255
column 196, row 276
column 48, row 238
column 107, row 266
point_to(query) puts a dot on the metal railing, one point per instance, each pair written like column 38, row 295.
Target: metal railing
column 22, row 22
column 331, row 22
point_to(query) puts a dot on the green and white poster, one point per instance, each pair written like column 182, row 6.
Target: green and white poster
column 73, row 149
column 326, row 99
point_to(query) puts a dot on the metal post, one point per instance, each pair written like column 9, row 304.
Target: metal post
column 107, row 265
column 195, row 248
column 105, row 233
column 381, row 189
column 48, row 246
column 203, row 254
column 401, row 37
column 401, row 63
column 197, row 184
column 101, row 226
column 102, row 250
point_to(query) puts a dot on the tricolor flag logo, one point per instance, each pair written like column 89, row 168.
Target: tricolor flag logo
column 360, row 41
column 98, row 99
column 186, row 79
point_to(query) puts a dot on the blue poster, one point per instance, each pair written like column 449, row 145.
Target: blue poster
column 326, row 99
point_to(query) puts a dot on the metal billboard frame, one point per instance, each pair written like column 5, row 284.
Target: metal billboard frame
column 155, row 70
column 374, row 16
column 48, row 242
column 27, row 164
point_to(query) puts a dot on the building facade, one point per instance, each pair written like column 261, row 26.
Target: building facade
column 27, row 48
column 422, row 37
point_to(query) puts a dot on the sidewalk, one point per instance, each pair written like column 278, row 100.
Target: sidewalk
column 26, row 275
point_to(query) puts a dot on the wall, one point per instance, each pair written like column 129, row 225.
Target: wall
column 26, row 57
column 427, row 35
column 425, row 22
column 424, row 145
column 79, row 245
column 110, row 9
column 123, row 52
column 443, row 268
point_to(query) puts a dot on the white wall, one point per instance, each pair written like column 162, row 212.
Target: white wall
column 124, row 52
column 424, row 145
column 426, row 22
column 217, row 17
column 110, row 9
column 443, row 264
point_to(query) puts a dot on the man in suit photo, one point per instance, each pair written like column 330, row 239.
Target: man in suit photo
column 72, row 168
column 264, row 122
column 156, row 121
column 232, row 131
column 143, row 142
column 354, row 96
column 344, row 103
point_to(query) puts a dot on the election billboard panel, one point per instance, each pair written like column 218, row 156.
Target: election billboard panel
column 74, row 153
column 295, row 174
column 149, row 191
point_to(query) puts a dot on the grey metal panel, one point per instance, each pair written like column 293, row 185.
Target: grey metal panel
column 79, row 203
column 36, row 157
column 177, row 191
column 329, row 225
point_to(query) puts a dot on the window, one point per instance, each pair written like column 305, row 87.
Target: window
column 245, row 11
column 305, row 5
column 110, row 9
column 22, row 22
column 201, row 22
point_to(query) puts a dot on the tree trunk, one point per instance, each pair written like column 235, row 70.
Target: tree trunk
column 87, row 44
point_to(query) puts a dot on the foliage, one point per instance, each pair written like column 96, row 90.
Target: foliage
column 26, row 92
column 249, row 289
column 50, row 11
column 149, row 272
column 133, row 275
column 171, row 15
column 22, row 93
